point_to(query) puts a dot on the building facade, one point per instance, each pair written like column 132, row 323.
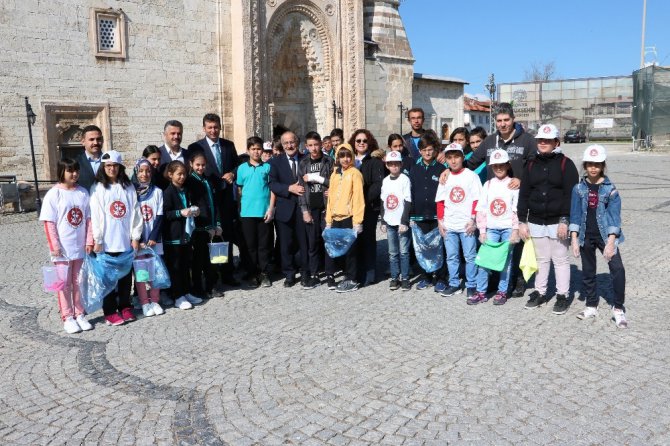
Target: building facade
column 601, row 107
column 129, row 66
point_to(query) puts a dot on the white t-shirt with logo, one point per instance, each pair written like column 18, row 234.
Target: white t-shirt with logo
column 499, row 203
column 69, row 210
column 150, row 208
column 394, row 194
column 115, row 217
column 459, row 193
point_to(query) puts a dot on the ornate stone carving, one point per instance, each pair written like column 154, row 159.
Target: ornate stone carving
column 330, row 9
column 271, row 3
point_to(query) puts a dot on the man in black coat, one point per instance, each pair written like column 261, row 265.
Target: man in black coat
column 416, row 118
column 288, row 188
column 222, row 163
column 89, row 160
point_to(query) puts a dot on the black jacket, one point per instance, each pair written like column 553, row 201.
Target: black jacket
column 174, row 224
column 546, row 189
column 521, row 148
column 373, row 170
column 208, row 217
column 86, row 174
column 425, row 180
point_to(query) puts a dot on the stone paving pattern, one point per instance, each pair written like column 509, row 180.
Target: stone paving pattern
column 277, row 367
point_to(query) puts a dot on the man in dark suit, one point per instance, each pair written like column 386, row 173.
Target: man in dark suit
column 222, row 163
column 89, row 160
column 171, row 150
column 287, row 187
column 416, row 118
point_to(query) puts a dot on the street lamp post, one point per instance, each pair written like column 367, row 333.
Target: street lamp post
column 337, row 113
column 491, row 87
column 31, row 117
column 402, row 109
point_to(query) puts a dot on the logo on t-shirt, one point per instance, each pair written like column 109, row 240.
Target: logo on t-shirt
column 392, row 202
column 498, row 207
column 147, row 212
column 117, row 209
column 75, row 217
column 457, row 194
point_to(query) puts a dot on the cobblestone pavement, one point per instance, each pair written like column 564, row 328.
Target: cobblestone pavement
column 274, row 367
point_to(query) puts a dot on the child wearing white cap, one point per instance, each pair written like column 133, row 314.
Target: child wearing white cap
column 456, row 203
column 497, row 221
column 595, row 224
column 117, row 224
column 396, row 196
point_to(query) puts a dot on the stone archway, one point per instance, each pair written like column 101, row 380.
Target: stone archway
column 298, row 68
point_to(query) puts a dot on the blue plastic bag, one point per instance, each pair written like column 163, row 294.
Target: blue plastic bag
column 99, row 275
column 338, row 241
column 161, row 275
column 428, row 248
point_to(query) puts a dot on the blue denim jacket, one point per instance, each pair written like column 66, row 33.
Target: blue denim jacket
column 608, row 212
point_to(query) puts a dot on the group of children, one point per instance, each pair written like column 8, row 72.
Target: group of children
column 178, row 222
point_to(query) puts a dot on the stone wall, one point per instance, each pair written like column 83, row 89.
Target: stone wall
column 441, row 100
column 171, row 71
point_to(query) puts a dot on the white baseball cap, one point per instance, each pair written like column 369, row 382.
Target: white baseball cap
column 393, row 157
column 454, row 147
column 112, row 157
column 594, row 153
column 547, row 131
column 267, row 146
column 498, row 156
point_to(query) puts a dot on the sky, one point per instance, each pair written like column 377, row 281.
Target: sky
column 469, row 39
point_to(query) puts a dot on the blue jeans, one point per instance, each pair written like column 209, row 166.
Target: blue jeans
column 453, row 241
column 496, row 235
column 398, row 245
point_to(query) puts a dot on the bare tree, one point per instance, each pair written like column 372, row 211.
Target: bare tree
column 540, row 72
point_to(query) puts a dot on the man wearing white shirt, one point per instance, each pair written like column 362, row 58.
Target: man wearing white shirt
column 89, row 160
column 171, row 150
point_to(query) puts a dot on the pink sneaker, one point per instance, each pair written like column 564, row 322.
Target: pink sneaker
column 127, row 315
column 478, row 298
column 114, row 319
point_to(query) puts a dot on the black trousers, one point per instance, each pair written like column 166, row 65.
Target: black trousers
column 617, row 273
column 315, row 251
column 441, row 274
column 292, row 239
column 200, row 266
column 178, row 262
column 257, row 238
column 367, row 247
column 119, row 298
column 350, row 263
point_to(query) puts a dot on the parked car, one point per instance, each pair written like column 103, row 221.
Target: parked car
column 574, row 136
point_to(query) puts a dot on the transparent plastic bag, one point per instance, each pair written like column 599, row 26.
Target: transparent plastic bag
column 161, row 278
column 338, row 241
column 428, row 248
column 99, row 275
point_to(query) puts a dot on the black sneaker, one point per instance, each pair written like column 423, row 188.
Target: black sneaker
column 561, row 306
column 347, row 285
column 535, row 300
column 406, row 286
column 394, row 284
column 310, row 283
column 265, row 281
column 254, row 282
column 520, row 288
column 330, row 280
column 289, row 282
column 451, row 290
column 471, row 292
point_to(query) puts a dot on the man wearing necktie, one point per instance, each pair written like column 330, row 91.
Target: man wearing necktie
column 222, row 162
column 288, row 187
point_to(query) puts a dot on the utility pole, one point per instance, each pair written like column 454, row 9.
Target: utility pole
column 644, row 25
column 491, row 88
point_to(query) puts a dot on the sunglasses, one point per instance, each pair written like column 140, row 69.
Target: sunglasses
column 361, row 141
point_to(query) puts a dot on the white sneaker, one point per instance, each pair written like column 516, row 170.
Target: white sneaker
column 182, row 303
column 70, row 326
column 158, row 310
column 619, row 318
column 148, row 310
column 83, row 323
column 193, row 299
column 587, row 313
